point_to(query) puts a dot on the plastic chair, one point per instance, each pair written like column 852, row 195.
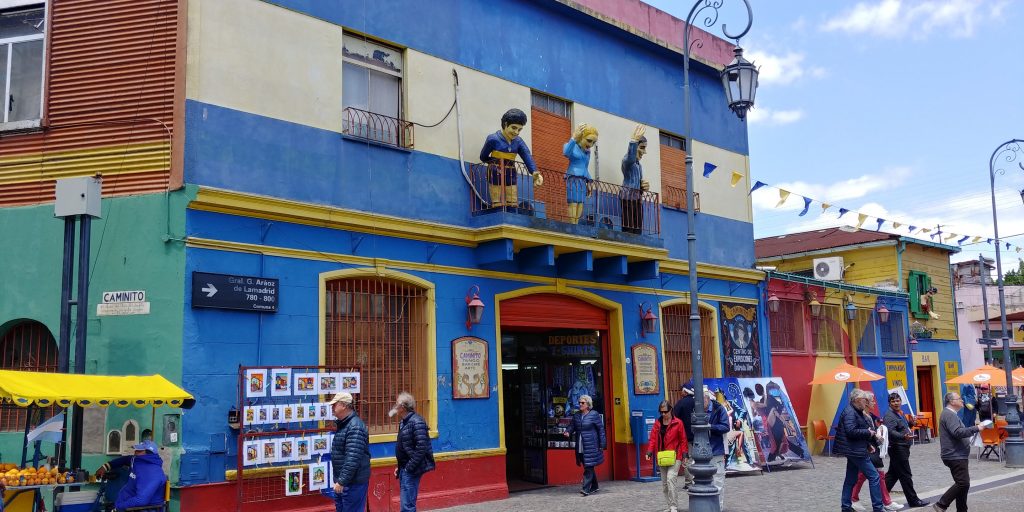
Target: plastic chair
column 925, row 419
column 991, row 440
column 821, row 434
column 915, row 428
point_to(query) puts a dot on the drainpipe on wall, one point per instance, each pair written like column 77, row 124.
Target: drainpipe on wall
column 899, row 267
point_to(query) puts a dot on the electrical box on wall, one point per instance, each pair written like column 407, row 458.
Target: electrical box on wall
column 171, row 434
column 78, row 196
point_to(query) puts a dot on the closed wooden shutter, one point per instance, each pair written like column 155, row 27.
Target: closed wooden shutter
column 552, row 310
column 110, row 104
column 673, row 176
column 550, row 133
column 678, row 356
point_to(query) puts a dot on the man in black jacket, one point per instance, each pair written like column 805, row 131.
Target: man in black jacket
column 853, row 440
column 350, row 456
column 900, row 437
column 413, row 450
column 684, row 411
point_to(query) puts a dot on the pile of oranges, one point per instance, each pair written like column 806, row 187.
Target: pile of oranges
column 12, row 476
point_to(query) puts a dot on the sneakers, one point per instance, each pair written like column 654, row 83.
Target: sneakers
column 673, row 509
column 921, row 503
column 858, row 507
column 893, row 506
column 937, row 508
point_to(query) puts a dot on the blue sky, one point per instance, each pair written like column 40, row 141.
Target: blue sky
column 890, row 108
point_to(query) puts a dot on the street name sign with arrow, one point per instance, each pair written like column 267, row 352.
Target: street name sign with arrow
column 228, row 291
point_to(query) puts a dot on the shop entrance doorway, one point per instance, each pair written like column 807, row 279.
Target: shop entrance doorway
column 554, row 349
column 925, row 393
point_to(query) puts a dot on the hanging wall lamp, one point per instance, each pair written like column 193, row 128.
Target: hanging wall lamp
column 812, row 301
column 648, row 321
column 883, row 314
column 773, row 303
column 474, row 307
column 851, row 311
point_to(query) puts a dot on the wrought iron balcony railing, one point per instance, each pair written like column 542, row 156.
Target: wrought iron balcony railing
column 377, row 128
column 508, row 186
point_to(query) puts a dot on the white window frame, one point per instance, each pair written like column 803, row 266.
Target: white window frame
column 7, row 45
column 399, row 74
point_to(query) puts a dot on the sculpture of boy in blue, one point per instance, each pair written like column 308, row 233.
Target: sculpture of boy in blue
column 577, row 177
column 499, row 153
column 633, row 183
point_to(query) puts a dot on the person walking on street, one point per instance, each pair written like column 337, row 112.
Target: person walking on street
column 588, row 428
column 718, row 420
column 413, row 450
column 900, row 439
column 350, row 456
column 684, row 411
column 879, row 450
column 853, row 438
column 668, row 434
column 954, row 449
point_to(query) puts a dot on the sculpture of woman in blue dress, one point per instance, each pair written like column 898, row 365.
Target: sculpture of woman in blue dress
column 577, row 176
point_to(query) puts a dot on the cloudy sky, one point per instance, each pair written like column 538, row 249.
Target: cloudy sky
column 890, row 108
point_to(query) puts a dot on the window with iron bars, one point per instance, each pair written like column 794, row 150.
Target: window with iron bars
column 863, row 330
column 556, row 106
column 678, row 356
column 379, row 325
column 27, row 346
column 893, row 339
column 828, row 330
column 787, row 327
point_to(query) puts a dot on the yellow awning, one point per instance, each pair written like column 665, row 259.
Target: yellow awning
column 46, row 389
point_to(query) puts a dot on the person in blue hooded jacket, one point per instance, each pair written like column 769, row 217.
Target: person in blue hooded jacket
column 587, row 429
column 718, row 420
column 146, row 481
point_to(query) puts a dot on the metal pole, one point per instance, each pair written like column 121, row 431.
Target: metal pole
column 82, row 311
column 1014, row 443
column 984, row 304
column 64, row 347
column 703, row 494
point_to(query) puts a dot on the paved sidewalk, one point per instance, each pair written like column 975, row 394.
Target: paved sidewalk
column 797, row 488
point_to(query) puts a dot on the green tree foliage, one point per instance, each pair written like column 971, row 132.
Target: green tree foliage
column 1015, row 277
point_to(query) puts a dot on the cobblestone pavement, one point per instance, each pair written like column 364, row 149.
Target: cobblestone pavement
column 796, row 488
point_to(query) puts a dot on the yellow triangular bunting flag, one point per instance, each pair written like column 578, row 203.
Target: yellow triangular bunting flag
column 825, row 207
column 782, row 196
column 736, row 177
column 975, row 239
column 860, row 219
column 952, row 235
column 926, row 230
column 896, row 225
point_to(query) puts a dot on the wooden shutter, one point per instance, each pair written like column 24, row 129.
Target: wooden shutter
column 550, row 133
column 552, row 310
column 673, row 176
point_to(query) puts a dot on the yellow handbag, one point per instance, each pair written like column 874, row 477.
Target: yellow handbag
column 666, row 458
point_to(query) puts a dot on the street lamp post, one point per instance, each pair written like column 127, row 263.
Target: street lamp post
column 740, row 81
column 1007, row 154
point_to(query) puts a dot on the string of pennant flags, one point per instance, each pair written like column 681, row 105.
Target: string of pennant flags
column 862, row 218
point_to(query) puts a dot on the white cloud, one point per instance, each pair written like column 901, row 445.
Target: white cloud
column 774, row 117
column 777, row 69
column 833, row 193
column 915, row 18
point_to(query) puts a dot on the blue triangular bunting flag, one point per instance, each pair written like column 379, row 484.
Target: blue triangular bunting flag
column 962, row 240
column 1007, row 246
column 842, row 211
column 757, row 185
column 807, row 205
column 911, row 229
column 880, row 222
column 709, row 168
column 989, row 241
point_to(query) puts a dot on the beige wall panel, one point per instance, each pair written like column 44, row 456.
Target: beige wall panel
column 613, row 140
column 717, row 197
column 429, row 90
column 265, row 60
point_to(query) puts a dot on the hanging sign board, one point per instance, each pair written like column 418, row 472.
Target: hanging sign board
column 226, row 291
column 120, row 303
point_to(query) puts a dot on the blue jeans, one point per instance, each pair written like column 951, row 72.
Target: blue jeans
column 352, row 499
column 410, row 485
column 855, row 465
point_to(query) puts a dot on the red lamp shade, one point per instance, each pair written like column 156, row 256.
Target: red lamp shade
column 912, row 343
column 815, row 308
column 648, row 321
column 773, row 303
column 883, row 314
column 474, row 307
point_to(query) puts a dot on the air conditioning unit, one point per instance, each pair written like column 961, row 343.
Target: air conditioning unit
column 828, row 269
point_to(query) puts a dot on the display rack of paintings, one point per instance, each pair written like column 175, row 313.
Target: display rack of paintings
column 286, row 430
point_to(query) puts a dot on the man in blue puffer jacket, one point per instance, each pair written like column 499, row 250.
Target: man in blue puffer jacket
column 413, row 450
column 718, row 420
column 350, row 456
column 146, row 481
column 853, row 440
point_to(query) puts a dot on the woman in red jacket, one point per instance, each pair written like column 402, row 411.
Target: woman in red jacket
column 668, row 434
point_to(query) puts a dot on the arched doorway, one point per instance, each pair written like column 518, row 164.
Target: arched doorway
column 25, row 345
column 554, row 349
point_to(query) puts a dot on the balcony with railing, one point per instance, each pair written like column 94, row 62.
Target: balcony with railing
column 377, row 128
column 675, row 197
column 610, row 209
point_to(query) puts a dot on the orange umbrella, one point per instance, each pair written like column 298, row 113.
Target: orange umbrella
column 845, row 373
column 986, row 374
column 1018, row 377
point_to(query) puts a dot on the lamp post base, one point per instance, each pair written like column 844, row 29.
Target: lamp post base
column 1014, row 444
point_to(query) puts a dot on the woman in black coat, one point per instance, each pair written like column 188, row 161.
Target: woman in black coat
column 588, row 431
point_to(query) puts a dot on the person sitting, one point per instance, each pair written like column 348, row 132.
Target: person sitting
column 146, row 480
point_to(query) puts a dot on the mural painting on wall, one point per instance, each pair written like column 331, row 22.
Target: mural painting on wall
column 469, row 368
column 741, row 447
column 742, row 349
column 776, row 428
column 499, row 153
column 645, row 370
column 896, row 374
